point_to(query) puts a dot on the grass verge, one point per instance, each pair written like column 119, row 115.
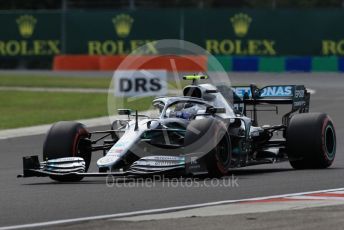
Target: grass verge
column 20, row 109
column 24, row 108
column 65, row 82
column 55, row 81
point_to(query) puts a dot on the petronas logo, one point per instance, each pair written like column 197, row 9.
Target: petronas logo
column 241, row 23
column 26, row 25
column 122, row 24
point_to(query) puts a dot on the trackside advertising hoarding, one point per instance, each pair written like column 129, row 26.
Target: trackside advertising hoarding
column 28, row 34
column 233, row 32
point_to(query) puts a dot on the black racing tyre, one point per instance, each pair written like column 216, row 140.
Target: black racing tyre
column 67, row 139
column 311, row 141
column 219, row 159
column 213, row 134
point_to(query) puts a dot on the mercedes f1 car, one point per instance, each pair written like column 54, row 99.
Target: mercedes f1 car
column 209, row 130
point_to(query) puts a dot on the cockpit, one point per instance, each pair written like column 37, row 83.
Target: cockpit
column 184, row 109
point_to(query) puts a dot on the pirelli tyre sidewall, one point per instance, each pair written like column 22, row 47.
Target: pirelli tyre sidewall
column 67, row 139
column 220, row 157
column 311, row 141
column 213, row 141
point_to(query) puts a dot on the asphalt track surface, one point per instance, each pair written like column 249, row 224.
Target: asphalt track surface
column 32, row 200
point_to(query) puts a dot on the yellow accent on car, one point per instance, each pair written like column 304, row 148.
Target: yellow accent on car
column 195, row 77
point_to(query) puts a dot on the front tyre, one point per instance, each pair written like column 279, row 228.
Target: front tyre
column 67, row 139
column 219, row 159
column 311, row 141
column 210, row 136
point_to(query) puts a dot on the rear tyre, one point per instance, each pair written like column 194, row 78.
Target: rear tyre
column 311, row 141
column 67, row 139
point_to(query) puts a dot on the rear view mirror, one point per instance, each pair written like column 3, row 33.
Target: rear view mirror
column 124, row 111
column 213, row 110
column 234, row 123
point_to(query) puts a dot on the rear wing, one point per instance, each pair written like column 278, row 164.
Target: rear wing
column 295, row 95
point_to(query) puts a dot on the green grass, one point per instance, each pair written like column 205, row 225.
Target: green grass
column 65, row 82
column 18, row 109
column 21, row 109
column 55, row 81
column 24, row 108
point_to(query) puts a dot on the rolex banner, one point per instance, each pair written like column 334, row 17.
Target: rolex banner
column 233, row 32
column 110, row 33
column 29, row 34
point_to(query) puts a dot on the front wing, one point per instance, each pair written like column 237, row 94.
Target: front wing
column 187, row 165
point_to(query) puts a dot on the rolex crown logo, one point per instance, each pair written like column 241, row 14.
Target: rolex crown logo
column 26, row 25
column 241, row 23
column 122, row 24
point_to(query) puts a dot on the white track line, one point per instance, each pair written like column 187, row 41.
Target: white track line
column 160, row 210
column 41, row 129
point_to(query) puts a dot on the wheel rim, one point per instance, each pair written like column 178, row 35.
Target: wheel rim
column 330, row 142
column 222, row 151
column 81, row 150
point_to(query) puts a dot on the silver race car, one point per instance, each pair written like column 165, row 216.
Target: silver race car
column 205, row 131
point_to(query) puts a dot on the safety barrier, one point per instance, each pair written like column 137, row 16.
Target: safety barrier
column 189, row 63
column 185, row 63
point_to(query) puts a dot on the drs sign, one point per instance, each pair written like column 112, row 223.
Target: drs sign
column 140, row 83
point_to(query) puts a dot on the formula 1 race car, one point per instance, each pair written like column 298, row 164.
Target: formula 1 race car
column 205, row 131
